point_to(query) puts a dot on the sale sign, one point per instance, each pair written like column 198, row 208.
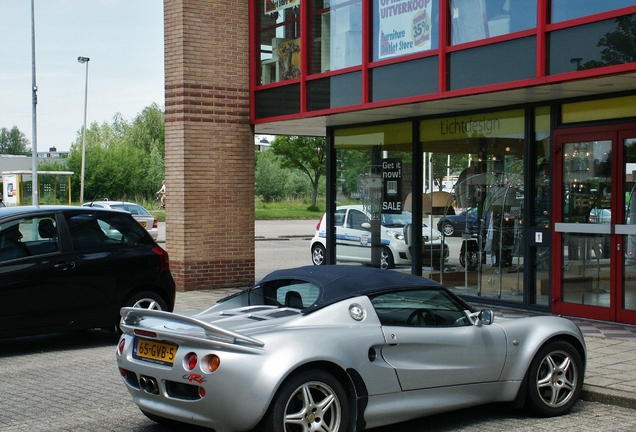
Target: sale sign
column 404, row 27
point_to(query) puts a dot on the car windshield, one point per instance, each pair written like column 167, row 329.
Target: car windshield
column 396, row 220
column 131, row 208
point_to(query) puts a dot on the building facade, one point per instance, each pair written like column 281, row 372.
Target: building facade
column 209, row 160
column 528, row 105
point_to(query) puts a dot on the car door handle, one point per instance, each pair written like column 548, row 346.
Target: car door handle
column 63, row 266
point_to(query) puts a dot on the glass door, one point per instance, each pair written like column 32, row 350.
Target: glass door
column 595, row 224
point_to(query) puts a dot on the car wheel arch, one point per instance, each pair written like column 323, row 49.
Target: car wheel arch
column 521, row 400
column 350, row 379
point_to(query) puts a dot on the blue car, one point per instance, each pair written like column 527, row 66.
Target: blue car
column 455, row 225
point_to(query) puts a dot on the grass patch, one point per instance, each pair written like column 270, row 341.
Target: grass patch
column 287, row 210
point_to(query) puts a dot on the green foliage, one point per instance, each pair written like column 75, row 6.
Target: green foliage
column 13, row 142
column 124, row 160
column 305, row 154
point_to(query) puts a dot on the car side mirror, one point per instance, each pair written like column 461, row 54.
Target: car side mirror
column 366, row 225
column 485, row 317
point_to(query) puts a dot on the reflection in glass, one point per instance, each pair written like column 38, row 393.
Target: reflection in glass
column 587, row 182
column 629, row 218
column 336, row 34
column 473, row 20
column 280, row 45
column 603, row 43
column 563, row 10
column 586, row 269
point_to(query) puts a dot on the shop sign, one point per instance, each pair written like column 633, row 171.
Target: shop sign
column 499, row 124
column 404, row 27
column 10, row 192
column 392, row 183
column 278, row 5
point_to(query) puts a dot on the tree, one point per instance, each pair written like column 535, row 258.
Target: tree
column 306, row 154
column 124, row 160
column 13, row 142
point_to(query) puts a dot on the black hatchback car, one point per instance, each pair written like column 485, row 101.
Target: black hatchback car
column 71, row 268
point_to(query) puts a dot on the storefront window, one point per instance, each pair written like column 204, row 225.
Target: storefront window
column 563, row 10
column 374, row 178
column 476, row 173
column 336, row 34
column 404, row 27
column 279, row 42
column 473, row 20
column 603, row 43
column 541, row 208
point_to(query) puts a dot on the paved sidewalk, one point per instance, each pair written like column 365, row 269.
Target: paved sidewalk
column 610, row 375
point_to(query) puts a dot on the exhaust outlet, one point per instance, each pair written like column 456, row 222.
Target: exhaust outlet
column 149, row 384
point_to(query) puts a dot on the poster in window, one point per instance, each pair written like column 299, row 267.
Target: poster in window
column 288, row 54
column 278, row 5
column 404, row 27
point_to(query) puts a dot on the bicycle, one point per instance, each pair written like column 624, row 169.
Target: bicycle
column 157, row 204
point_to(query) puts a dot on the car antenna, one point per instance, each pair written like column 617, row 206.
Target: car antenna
column 95, row 197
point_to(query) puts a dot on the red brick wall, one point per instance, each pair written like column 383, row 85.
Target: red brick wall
column 209, row 144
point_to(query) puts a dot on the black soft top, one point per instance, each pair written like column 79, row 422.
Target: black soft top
column 339, row 282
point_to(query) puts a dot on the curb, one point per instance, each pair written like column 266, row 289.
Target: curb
column 608, row 396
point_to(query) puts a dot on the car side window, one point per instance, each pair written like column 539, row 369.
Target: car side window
column 28, row 236
column 430, row 307
column 339, row 217
column 101, row 230
column 355, row 219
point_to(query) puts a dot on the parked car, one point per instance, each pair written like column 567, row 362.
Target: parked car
column 353, row 239
column 600, row 216
column 140, row 214
column 467, row 221
column 343, row 348
column 66, row 268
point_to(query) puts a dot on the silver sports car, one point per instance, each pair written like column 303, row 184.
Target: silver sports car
column 343, row 348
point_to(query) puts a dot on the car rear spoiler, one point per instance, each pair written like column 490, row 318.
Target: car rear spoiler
column 132, row 317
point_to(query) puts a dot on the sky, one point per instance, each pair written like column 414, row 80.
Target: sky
column 122, row 38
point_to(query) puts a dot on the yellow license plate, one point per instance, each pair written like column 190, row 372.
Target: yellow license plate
column 157, row 352
column 143, row 223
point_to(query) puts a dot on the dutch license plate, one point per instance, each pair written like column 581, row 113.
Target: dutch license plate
column 143, row 223
column 157, row 352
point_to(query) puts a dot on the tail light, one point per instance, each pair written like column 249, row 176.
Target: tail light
column 163, row 255
column 319, row 222
column 155, row 224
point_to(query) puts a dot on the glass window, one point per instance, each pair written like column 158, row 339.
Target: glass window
column 279, row 42
column 563, row 10
column 99, row 231
column 278, row 101
column 420, row 308
column 473, row 20
column 603, row 43
column 485, row 154
column 335, row 91
column 374, row 168
column 336, row 34
column 388, row 81
column 404, row 27
column 28, row 236
column 493, row 64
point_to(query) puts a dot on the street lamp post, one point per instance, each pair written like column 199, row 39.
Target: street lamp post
column 84, row 60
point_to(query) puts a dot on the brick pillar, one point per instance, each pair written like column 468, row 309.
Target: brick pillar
column 209, row 144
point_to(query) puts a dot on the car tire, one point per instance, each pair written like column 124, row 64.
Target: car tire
column 146, row 300
column 554, row 380
column 386, row 259
column 309, row 400
column 448, row 229
column 318, row 254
